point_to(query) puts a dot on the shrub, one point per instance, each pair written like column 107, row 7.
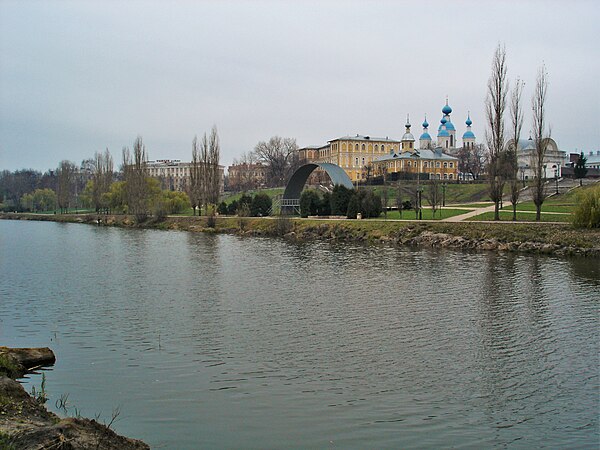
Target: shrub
column 232, row 208
column 309, row 203
column 261, row 205
column 222, row 209
column 325, row 205
column 340, row 197
column 353, row 207
column 587, row 211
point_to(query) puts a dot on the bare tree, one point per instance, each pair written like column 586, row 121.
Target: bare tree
column 434, row 195
column 194, row 187
column 102, row 176
column 540, row 138
column 135, row 172
column 471, row 160
column 495, row 105
column 280, row 155
column 214, row 175
column 399, row 199
column 516, row 117
column 65, row 175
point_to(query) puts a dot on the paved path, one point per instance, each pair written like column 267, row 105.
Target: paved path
column 469, row 215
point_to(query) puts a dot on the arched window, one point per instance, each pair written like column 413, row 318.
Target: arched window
column 452, row 165
column 376, row 148
column 407, row 163
column 445, row 176
column 363, row 147
column 356, row 147
column 425, row 164
column 451, row 176
column 437, row 164
column 445, row 165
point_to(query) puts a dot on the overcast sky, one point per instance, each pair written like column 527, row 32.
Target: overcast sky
column 79, row 76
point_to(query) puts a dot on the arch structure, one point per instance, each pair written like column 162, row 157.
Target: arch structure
column 291, row 196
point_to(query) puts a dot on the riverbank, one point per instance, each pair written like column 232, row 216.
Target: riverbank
column 25, row 423
column 540, row 238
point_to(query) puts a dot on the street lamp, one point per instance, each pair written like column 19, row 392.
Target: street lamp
column 444, row 193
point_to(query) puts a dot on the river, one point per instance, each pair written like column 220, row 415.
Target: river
column 217, row 341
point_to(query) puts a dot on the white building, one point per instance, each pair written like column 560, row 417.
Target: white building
column 174, row 175
column 554, row 159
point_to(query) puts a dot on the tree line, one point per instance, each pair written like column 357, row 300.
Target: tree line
column 96, row 185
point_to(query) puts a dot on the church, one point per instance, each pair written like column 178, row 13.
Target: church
column 362, row 156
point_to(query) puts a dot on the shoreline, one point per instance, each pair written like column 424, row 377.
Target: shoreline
column 25, row 422
column 558, row 239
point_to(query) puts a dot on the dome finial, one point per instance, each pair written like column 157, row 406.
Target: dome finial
column 446, row 110
column 408, row 121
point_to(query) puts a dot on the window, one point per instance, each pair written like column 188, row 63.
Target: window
column 376, row 148
column 445, row 165
column 363, row 147
column 408, row 164
column 425, row 164
column 451, row 176
column 445, row 176
column 356, row 147
column 452, row 165
column 437, row 164
column 356, row 159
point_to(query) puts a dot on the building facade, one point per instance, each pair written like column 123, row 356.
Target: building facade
column 554, row 159
column 174, row 174
column 362, row 156
column 245, row 176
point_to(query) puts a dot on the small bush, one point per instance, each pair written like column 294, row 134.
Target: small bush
column 222, row 209
column 587, row 211
column 261, row 205
column 309, row 203
column 353, row 207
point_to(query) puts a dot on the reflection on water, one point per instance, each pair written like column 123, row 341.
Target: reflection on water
column 217, row 341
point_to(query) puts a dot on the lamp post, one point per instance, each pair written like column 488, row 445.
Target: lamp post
column 444, row 193
column 556, row 179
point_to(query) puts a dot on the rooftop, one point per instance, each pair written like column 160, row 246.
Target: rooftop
column 360, row 137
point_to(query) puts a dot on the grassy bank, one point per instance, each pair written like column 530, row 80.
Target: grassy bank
column 559, row 239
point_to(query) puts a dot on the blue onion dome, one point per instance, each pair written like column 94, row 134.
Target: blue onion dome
column 468, row 135
column 450, row 126
column 425, row 137
column 443, row 133
column 443, row 121
column 425, row 123
column 446, row 109
column 469, row 122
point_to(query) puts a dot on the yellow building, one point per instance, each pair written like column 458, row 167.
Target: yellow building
column 361, row 156
column 431, row 161
column 354, row 154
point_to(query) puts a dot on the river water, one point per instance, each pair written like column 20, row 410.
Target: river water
column 209, row 341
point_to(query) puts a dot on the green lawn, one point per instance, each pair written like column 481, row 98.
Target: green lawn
column 271, row 192
column 455, row 193
column 525, row 216
column 427, row 214
column 547, row 206
column 471, row 205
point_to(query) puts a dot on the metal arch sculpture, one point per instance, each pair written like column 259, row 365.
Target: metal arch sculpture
column 291, row 195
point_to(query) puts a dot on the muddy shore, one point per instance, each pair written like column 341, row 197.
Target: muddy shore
column 536, row 238
column 25, row 423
